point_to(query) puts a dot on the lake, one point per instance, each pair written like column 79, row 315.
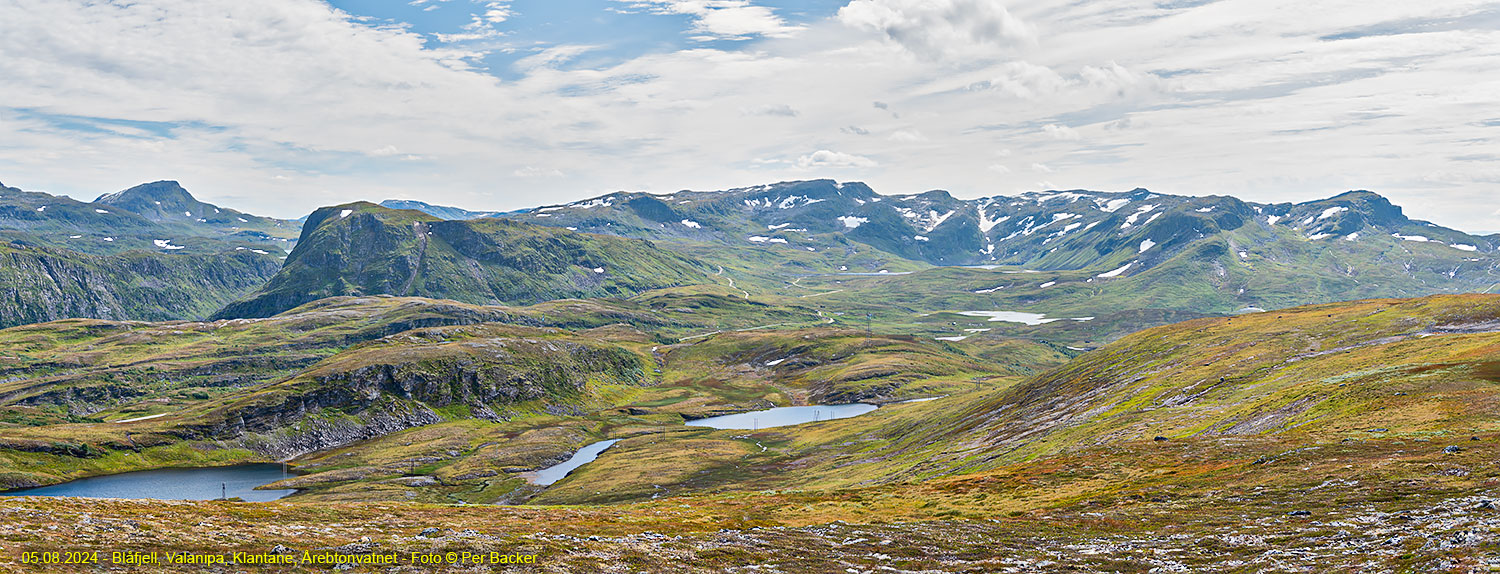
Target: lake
column 783, row 416
column 777, row 417
column 173, row 484
column 584, row 456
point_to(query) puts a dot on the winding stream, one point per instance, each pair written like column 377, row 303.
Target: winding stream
column 585, row 455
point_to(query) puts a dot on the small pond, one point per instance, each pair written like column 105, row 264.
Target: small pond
column 783, row 416
column 777, row 417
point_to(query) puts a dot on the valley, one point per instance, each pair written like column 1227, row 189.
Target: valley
column 1110, row 382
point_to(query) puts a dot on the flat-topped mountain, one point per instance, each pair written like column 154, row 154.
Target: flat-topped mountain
column 365, row 249
column 167, row 202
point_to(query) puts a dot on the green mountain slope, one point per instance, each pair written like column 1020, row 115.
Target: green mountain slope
column 1419, row 369
column 45, row 284
column 117, row 259
column 1224, row 401
column 365, row 249
column 1116, row 262
column 1413, row 367
column 358, row 372
column 121, row 370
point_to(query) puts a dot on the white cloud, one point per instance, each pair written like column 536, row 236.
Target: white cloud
column 1058, row 132
column 826, row 158
column 532, row 171
column 997, row 168
column 941, row 28
column 1275, row 100
column 907, row 136
column 1040, row 168
column 782, row 110
column 497, row 12
column 480, row 27
column 723, row 19
column 551, row 57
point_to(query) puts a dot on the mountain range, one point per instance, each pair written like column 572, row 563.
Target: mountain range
column 1055, row 230
column 1063, row 375
column 438, row 211
column 1118, row 257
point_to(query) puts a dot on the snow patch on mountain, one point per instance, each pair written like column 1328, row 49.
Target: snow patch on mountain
column 853, row 222
column 1332, row 211
column 1112, row 205
column 1134, row 217
column 1116, row 272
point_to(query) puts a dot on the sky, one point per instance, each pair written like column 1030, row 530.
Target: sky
column 276, row 107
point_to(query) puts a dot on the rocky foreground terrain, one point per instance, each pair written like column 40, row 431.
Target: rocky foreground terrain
column 1430, row 532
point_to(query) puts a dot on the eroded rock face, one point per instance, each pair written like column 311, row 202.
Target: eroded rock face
column 310, row 434
column 387, row 388
column 43, row 284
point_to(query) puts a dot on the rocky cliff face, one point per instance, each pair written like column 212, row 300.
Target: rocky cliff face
column 40, row 284
column 402, row 381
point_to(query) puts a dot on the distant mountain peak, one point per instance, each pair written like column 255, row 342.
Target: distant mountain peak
column 165, row 189
column 439, row 211
column 159, row 201
column 1367, row 206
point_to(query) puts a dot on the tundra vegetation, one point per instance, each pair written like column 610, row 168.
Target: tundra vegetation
column 1176, row 388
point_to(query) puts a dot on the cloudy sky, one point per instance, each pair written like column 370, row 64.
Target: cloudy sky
column 279, row 106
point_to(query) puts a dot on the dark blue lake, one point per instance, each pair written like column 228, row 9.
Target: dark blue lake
column 173, row 484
